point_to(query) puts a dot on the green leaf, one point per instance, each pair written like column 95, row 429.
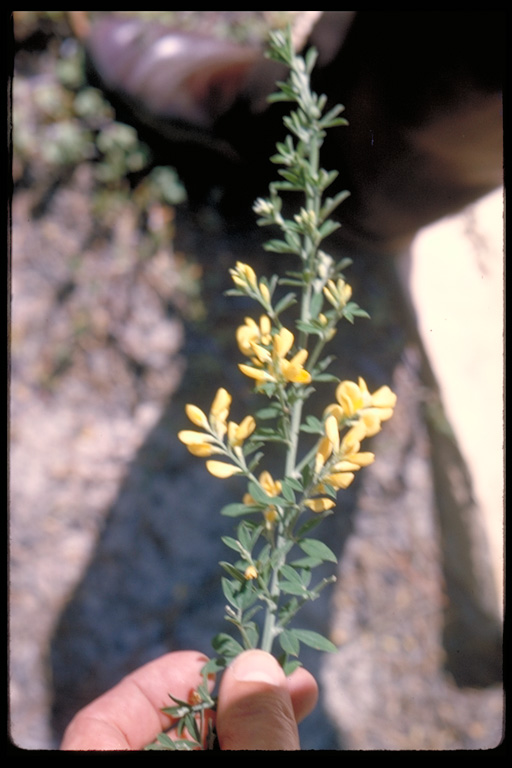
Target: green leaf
column 328, row 227
column 236, row 510
column 290, row 666
column 229, row 592
column 293, row 588
column 269, row 412
column 306, row 562
column 233, row 572
column 287, row 301
column 318, row 549
column 290, row 573
column 309, row 525
column 352, row 310
column 313, row 426
column 163, row 742
column 232, row 543
column 325, row 377
column 314, row 640
column 226, row 646
column 287, row 492
column 278, row 246
column 289, row 643
column 259, row 495
column 214, row 665
column 332, row 203
column 248, row 534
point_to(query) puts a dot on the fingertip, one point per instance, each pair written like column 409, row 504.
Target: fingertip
column 303, row 691
column 255, row 709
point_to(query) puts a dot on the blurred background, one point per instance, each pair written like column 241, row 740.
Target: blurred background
column 106, row 277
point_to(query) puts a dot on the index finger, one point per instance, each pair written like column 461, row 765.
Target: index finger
column 129, row 716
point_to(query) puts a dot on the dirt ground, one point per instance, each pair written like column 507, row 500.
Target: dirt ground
column 114, row 543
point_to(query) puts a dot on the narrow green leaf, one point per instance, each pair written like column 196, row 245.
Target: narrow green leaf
column 214, row 665
column 233, row 572
column 293, row 588
column 315, row 548
column 313, row 426
column 232, row 543
column 290, row 666
column 289, row 643
column 235, row 510
column 226, row 646
column 229, row 592
column 290, row 574
column 314, row 640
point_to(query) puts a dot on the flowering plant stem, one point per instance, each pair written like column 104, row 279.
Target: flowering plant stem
column 275, row 555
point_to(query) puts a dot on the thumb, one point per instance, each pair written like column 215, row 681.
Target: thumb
column 254, row 709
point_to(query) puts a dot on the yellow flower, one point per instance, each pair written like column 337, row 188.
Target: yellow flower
column 251, row 573
column 270, row 486
column 196, row 416
column 265, row 293
column 221, row 469
column 282, row 343
column 323, row 452
column 293, row 369
column 251, row 333
column 346, row 456
column 243, row 275
column 332, row 432
column 270, row 515
column 355, row 401
column 219, row 411
column 272, row 366
column 339, row 480
column 320, row 505
column 199, row 443
column 238, row 433
column 258, row 374
column 338, row 293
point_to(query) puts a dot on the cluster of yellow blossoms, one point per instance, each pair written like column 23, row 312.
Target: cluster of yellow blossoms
column 338, row 458
column 216, row 428
column 268, row 354
column 356, row 412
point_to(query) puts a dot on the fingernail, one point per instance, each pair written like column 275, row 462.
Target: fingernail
column 257, row 666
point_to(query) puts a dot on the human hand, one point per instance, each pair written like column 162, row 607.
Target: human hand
column 258, row 706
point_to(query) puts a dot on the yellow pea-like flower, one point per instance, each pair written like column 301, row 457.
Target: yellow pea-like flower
column 282, row 343
column 270, row 486
column 238, row 433
column 320, row 505
column 251, row 573
column 196, row 416
column 338, row 293
column 244, row 275
column 350, row 397
column 340, row 479
column 323, row 452
column 265, row 293
column 332, row 432
column 190, row 437
column 201, row 449
column 270, row 515
column 221, row 469
column 293, row 369
column 258, row 374
column 221, row 405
